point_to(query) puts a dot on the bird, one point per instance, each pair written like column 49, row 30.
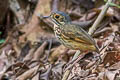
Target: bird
column 71, row 35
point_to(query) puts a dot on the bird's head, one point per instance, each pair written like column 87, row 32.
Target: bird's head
column 60, row 18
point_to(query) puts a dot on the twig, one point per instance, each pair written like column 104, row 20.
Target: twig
column 65, row 76
column 55, row 5
column 15, row 7
column 67, row 72
column 100, row 17
column 49, row 48
column 75, row 61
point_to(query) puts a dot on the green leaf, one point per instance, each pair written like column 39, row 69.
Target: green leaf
column 105, row 0
column 2, row 41
column 0, row 32
column 112, row 4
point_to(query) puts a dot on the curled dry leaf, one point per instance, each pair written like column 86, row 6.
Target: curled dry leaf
column 33, row 29
column 39, row 52
column 27, row 74
column 57, row 53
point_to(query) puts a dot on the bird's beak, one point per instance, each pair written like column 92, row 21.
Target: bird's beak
column 44, row 17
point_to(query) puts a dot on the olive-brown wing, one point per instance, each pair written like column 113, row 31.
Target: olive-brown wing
column 76, row 33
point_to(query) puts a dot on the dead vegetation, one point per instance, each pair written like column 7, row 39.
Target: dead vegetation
column 29, row 49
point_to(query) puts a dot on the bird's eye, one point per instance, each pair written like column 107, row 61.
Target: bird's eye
column 57, row 16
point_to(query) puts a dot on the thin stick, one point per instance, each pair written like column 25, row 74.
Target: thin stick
column 67, row 72
column 100, row 17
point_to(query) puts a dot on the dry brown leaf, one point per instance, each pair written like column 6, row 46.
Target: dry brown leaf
column 57, row 53
column 27, row 74
column 33, row 29
column 39, row 52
